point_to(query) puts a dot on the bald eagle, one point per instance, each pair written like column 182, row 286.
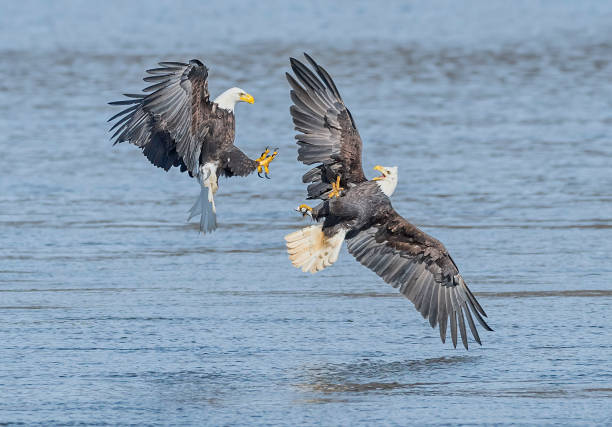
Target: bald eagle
column 359, row 211
column 176, row 125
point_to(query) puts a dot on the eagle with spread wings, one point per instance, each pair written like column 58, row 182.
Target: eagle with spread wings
column 359, row 211
column 176, row 124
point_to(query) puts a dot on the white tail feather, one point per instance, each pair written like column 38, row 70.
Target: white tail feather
column 310, row 250
column 205, row 207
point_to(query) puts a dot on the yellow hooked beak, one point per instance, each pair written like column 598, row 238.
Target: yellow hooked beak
column 247, row 98
column 382, row 171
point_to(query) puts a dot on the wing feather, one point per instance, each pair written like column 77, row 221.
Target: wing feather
column 420, row 266
column 171, row 122
column 170, row 64
column 235, row 162
column 471, row 323
column 329, row 82
column 453, row 319
column 328, row 134
column 433, row 305
column 442, row 313
column 462, row 327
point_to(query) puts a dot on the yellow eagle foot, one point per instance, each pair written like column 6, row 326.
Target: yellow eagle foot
column 304, row 209
column 264, row 160
column 336, row 189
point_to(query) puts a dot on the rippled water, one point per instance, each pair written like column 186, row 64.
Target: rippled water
column 114, row 310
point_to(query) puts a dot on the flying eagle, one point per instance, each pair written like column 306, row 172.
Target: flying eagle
column 359, row 211
column 175, row 124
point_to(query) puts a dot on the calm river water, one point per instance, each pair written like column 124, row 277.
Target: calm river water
column 113, row 310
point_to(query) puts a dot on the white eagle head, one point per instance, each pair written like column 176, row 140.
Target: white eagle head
column 228, row 99
column 388, row 179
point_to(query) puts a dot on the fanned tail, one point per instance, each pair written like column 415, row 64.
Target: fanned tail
column 310, row 250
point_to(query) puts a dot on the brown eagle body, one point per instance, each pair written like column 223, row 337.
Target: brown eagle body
column 177, row 125
column 360, row 212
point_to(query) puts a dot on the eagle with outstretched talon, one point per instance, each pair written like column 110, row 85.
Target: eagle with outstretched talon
column 359, row 211
column 177, row 125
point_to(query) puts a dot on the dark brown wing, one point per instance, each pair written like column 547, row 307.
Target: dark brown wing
column 170, row 123
column 421, row 267
column 234, row 162
column 328, row 133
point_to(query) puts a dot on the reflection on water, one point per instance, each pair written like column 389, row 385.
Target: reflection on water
column 114, row 310
column 339, row 378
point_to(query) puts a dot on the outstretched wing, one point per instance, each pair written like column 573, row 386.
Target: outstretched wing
column 170, row 123
column 328, row 133
column 421, row 267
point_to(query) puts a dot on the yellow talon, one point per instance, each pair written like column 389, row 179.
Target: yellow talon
column 336, row 189
column 264, row 161
column 263, row 155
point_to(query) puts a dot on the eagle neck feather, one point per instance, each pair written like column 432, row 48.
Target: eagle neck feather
column 387, row 186
column 226, row 101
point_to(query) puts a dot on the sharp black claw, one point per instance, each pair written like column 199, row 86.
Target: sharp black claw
column 266, row 175
column 259, row 175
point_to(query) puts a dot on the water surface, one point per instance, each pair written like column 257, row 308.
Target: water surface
column 113, row 310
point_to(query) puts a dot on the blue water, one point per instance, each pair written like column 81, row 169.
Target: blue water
column 113, row 310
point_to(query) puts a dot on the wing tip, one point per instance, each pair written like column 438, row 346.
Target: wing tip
column 312, row 62
column 309, row 58
column 291, row 80
column 172, row 64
